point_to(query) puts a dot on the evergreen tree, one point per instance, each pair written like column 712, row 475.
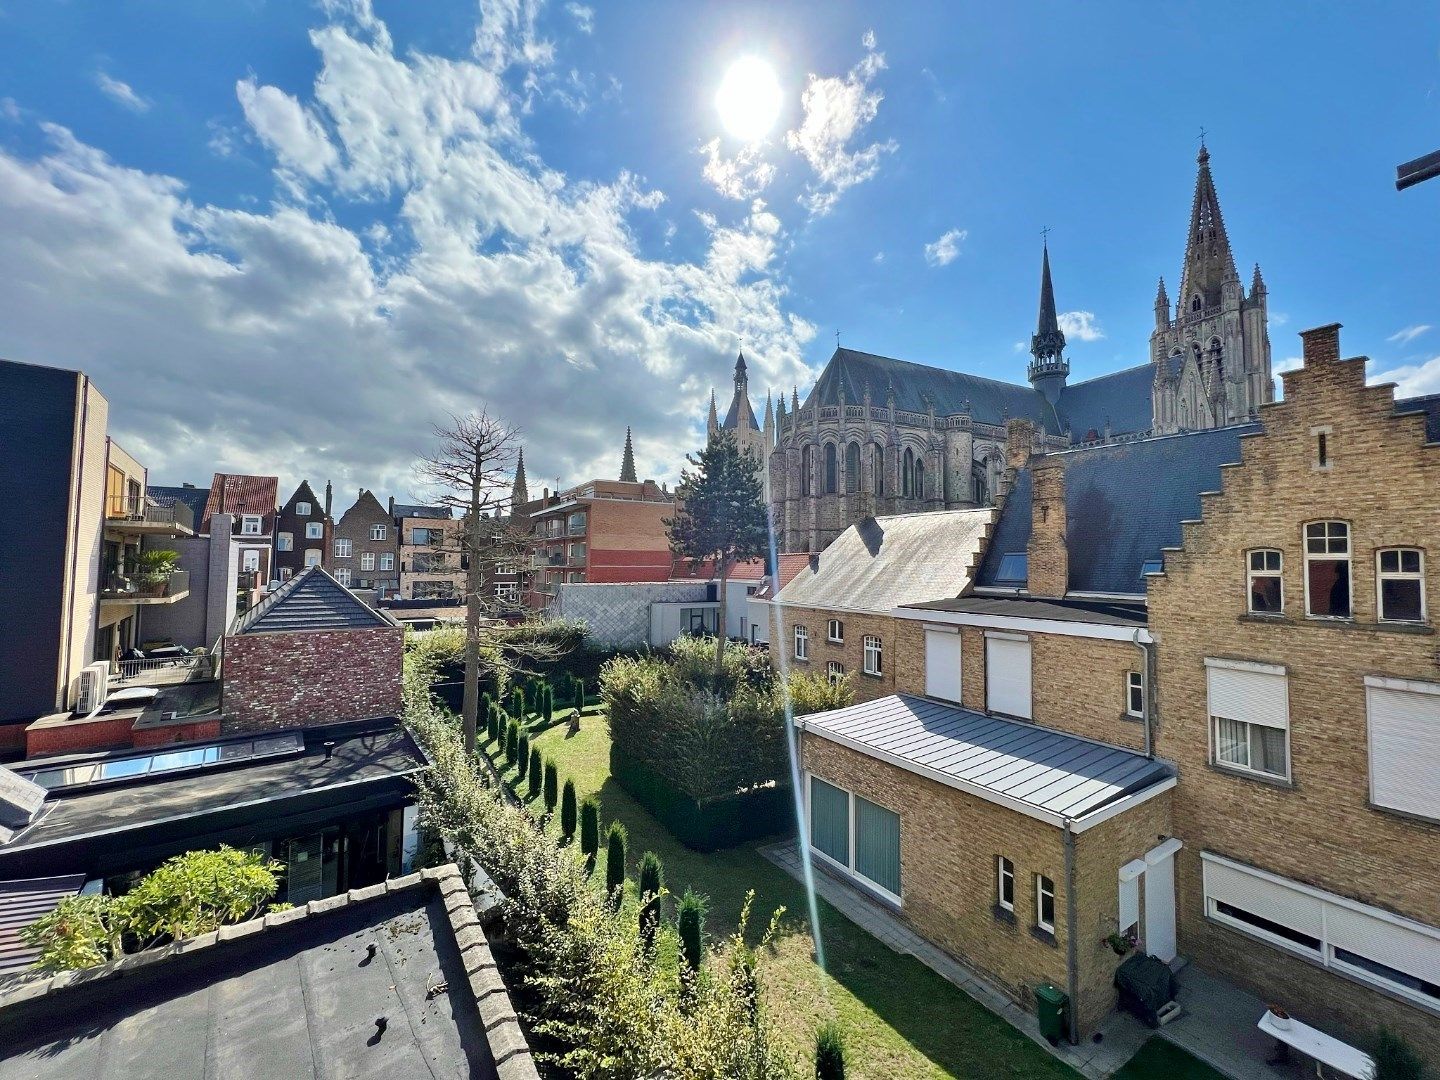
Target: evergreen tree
column 722, row 517
column 547, row 702
column 590, row 828
column 615, row 841
column 567, row 811
column 492, row 722
column 829, row 1052
column 522, row 757
column 552, row 786
column 517, row 703
column 652, row 880
column 512, row 742
column 486, row 704
column 691, row 924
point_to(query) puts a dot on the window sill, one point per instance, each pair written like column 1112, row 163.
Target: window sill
column 1418, row 629
column 1003, row 915
column 1259, row 778
column 873, row 674
column 1404, row 815
column 1132, row 718
column 1045, row 937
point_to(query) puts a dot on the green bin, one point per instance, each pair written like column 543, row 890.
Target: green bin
column 1052, row 1007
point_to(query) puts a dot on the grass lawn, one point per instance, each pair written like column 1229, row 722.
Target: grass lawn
column 901, row 1020
column 1158, row 1058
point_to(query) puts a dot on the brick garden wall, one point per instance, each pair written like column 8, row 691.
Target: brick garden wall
column 284, row 680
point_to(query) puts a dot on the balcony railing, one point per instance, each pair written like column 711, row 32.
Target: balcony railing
column 248, row 580
column 143, row 510
column 122, row 586
column 577, row 560
column 171, row 668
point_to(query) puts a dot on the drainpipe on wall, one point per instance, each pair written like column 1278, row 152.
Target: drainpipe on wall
column 1147, row 651
column 1072, row 944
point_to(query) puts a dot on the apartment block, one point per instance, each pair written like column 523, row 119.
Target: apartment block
column 432, row 563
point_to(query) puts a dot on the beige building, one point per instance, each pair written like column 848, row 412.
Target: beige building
column 431, row 553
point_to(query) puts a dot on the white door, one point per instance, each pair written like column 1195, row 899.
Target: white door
column 1007, row 676
column 1160, row 900
column 942, row 665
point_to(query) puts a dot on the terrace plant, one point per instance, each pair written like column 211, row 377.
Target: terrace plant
column 568, row 811
column 615, row 840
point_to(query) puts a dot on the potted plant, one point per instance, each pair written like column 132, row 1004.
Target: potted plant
column 154, row 568
column 1281, row 1017
column 1122, row 942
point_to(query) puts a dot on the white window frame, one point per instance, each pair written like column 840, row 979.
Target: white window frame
column 342, row 575
column 1134, row 683
column 835, row 632
column 285, row 573
column 250, row 524
column 302, row 509
column 1004, row 875
column 284, row 541
column 1328, row 556
column 802, row 643
column 1251, row 574
column 314, row 557
column 1214, row 724
column 342, row 547
column 834, row 671
column 850, row 815
column 1044, row 887
column 387, row 560
column 314, row 530
column 367, row 560
column 1382, row 576
column 504, row 568
column 378, row 532
column 874, row 655
column 507, row 592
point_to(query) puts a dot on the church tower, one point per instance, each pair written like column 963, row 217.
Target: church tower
column 627, row 462
column 1049, row 368
column 1211, row 354
column 519, row 493
column 740, row 417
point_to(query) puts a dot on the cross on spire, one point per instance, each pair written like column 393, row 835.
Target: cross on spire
column 1203, row 133
column 1045, row 235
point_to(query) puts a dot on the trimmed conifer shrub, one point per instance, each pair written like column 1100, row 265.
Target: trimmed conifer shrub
column 552, row 786
column 522, row 756
column 615, row 841
column 652, row 880
column 517, row 703
column 829, row 1052
column 690, row 921
column 590, row 828
column 567, row 811
column 547, row 701
column 492, row 722
column 532, row 775
column 483, row 712
column 512, row 742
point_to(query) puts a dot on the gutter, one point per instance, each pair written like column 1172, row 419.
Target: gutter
column 1072, row 945
column 1150, row 668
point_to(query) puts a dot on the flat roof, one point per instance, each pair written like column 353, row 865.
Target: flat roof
column 1030, row 768
column 1107, row 612
column 372, row 983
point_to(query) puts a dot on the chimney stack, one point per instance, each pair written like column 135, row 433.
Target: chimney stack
column 1019, row 443
column 1321, row 345
column 328, row 496
column 392, row 506
column 1048, row 556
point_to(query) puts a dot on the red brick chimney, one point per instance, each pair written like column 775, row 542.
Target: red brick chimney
column 1048, row 555
column 1321, row 345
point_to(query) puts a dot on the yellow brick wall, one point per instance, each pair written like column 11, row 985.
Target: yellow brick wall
column 850, row 652
column 1320, row 830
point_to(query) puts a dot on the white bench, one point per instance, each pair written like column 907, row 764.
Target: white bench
column 1321, row 1048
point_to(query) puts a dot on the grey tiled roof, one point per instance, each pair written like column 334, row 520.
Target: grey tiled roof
column 1123, row 503
column 880, row 563
column 193, row 497
column 1104, row 612
column 312, row 601
column 1122, row 398
column 1430, row 406
column 1058, row 775
column 404, row 510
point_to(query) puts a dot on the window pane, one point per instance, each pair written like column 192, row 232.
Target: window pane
column 1267, row 750
column 1389, row 974
column 1231, row 745
column 877, row 844
column 1410, row 561
column 1400, row 599
column 1330, row 588
column 1389, row 562
column 1265, row 594
column 830, row 820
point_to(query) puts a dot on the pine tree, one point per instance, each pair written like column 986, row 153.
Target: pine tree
column 691, row 924
column 590, row 828
column 522, row 757
column 533, row 774
column 615, row 841
column 652, row 880
column 512, row 742
column 552, row 786
column 567, row 811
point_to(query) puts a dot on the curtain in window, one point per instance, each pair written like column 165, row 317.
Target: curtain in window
column 1267, row 749
column 1230, row 741
column 830, row 820
column 877, row 844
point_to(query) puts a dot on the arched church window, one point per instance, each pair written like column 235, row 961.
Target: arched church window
column 831, row 468
column 807, row 470
column 878, row 466
column 919, row 478
column 1195, row 302
column 852, row 468
column 979, row 485
column 907, row 473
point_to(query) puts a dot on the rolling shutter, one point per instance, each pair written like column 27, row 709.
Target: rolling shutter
column 1385, row 942
column 942, row 665
column 877, row 845
column 1405, row 749
column 830, row 820
column 1249, row 695
column 1260, row 896
column 1007, row 676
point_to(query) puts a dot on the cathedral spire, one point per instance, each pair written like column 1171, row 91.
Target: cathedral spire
column 1049, row 367
column 1208, row 260
column 518, row 492
column 627, row 462
column 712, row 424
column 1257, row 283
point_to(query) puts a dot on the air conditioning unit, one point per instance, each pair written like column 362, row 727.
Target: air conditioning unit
column 90, row 686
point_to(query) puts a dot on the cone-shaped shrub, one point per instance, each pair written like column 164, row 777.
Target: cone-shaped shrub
column 517, row 703
column 483, row 712
column 567, row 811
column 615, row 840
column 522, row 757
column 512, row 742
column 492, row 722
column 532, row 775
column 829, row 1052
column 579, row 694
column 552, row 787
column 547, row 701
column 652, row 880
column 691, row 924
column 590, row 828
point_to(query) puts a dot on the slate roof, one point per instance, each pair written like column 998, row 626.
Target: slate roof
column 1048, row 773
column 193, row 497
column 20, row 801
column 1123, row 503
column 881, row 563
column 295, row 993
column 1122, row 398
column 21, row 903
column 404, row 510
column 1430, row 406
column 313, row 600
column 239, row 493
column 1106, row 612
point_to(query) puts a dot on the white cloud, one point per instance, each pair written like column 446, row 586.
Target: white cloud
column 9, row 109
column 944, row 250
column 1019, row 347
column 1080, row 326
column 1290, row 363
column 878, row 258
column 1413, row 380
column 584, row 17
column 121, row 93
column 836, row 111
column 742, row 177
column 1278, row 318
column 281, row 341
column 1407, row 335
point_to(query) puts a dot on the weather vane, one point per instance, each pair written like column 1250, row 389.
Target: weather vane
column 1202, row 137
column 1045, row 234
column 837, row 339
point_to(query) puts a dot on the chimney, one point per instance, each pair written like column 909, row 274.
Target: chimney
column 1019, row 442
column 1321, row 345
column 328, row 497
column 190, row 486
column 392, row 506
column 1048, row 555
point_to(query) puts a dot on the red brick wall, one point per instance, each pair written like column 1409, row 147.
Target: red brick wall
column 273, row 681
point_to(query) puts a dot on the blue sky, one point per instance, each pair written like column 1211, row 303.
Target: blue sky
column 290, row 237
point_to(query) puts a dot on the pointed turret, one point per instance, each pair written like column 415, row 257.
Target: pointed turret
column 519, row 494
column 712, row 424
column 627, row 462
column 1049, row 368
column 1162, row 305
column 1208, row 260
column 1257, row 283
column 769, row 426
column 794, row 399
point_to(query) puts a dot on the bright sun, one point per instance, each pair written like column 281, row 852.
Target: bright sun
column 749, row 99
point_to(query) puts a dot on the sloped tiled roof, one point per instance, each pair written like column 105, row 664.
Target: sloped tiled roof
column 1121, row 398
column 1123, row 503
column 880, row 563
column 787, row 567
column 312, row 601
column 408, row 510
column 305, row 493
column 238, row 493
column 193, row 497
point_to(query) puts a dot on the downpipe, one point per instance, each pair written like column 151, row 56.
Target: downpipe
column 1072, row 944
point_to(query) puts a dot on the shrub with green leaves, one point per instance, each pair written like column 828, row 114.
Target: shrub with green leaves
column 829, row 1052
column 512, row 742
column 547, row 702
column 532, row 775
column 517, row 703
column 615, row 840
column 590, row 828
column 483, row 712
column 1395, row 1059
column 522, row 757
column 568, row 811
column 650, row 885
column 690, row 921
column 552, row 786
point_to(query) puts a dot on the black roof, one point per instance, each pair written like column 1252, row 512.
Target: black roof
column 193, row 497
column 1109, row 612
column 1430, row 406
column 1123, row 503
column 20, row 801
column 311, row 601
column 373, row 983
column 1122, row 399
column 404, row 510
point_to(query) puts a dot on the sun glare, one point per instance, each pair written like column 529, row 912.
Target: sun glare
column 749, row 99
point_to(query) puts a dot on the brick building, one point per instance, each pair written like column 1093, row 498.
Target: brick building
column 253, row 504
column 431, row 563
column 304, row 532
column 364, row 552
column 1299, row 695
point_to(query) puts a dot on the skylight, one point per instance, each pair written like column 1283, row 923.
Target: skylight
column 1151, row 566
column 1014, row 568
column 189, row 757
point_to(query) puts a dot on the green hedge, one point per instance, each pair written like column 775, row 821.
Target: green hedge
column 705, row 824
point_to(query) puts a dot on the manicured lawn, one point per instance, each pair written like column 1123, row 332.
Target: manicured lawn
column 901, row 1020
column 1158, row 1058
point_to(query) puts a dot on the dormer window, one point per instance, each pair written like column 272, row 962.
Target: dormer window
column 250, row 524
column 1014, row 568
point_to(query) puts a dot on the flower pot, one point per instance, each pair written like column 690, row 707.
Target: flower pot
column 1281, row 1020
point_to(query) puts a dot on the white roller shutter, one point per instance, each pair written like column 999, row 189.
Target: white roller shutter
column 1405, row 748
column 1388, row 943
column 942, row 665
column 1248, row 694
column 1265, row 898
column 1007, row 675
